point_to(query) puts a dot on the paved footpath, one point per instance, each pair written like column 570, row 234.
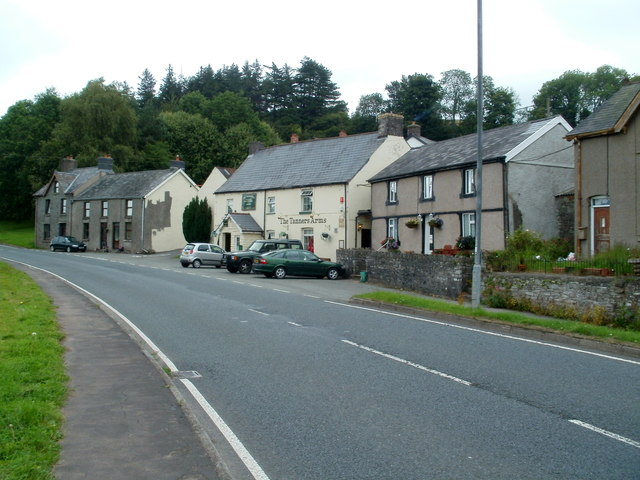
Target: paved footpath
column 122, row 421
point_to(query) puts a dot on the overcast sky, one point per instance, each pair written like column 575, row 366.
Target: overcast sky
column 366, row 44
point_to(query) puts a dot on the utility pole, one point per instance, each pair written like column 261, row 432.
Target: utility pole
column 476, row 278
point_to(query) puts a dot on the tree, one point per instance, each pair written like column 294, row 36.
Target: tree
column 170, row 92
column 457, row 90
column 365, row 117
column 146, row 93
column 417, row 97
column 315, row 93
column 203, row 82
column 499, row 108
column 196, row 221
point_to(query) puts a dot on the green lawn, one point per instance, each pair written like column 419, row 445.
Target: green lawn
column 32, row 379
column 559, row 325
column 20, row 234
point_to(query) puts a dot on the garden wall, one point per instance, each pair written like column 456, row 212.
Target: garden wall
column 438, row 275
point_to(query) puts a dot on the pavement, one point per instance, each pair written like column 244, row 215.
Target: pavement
column 122, row 417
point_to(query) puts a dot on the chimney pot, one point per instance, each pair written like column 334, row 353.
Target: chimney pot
column 255, row 147
column 343, row 133
column 414, row 130
column 295, row 138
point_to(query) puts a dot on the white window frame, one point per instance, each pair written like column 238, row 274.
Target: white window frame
column 229, row 205
column 469, row 224
column 393, row 191
column 56, row 187
column 87, row 209
column 63, row 206
column 129, row 208
column 306, row 200
column 307, row 234
column 427, row 187
column 271, row 204
column 105, row 208
column 392, row 228
column 469, row 181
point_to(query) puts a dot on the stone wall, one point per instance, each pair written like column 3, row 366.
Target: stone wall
column 437, row 275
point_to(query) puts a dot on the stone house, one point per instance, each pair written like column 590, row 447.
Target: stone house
column 427, row 198
column 607, row 159
column 315, row 191
column 135, row 211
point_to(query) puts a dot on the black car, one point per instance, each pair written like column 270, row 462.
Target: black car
column 67, row 243
column 243, row 261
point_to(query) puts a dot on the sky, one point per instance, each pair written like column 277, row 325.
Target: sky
column 366, row 44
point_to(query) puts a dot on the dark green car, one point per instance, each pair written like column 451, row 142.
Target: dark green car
column 302, row 263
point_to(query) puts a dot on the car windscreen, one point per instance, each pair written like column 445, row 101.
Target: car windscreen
column 256, row 246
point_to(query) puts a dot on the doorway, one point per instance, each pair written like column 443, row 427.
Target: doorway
column 600, row 215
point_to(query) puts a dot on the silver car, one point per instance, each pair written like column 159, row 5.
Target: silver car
column 198, row 254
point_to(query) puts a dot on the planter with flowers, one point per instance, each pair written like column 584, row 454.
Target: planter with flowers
column 412, row 223
column 435, row 222
column 390, row 243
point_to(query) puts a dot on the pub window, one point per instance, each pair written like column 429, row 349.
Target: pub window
column 129, row 208
column 271, row 205
column 307, row 239
column 229, row 205
column 307, row 201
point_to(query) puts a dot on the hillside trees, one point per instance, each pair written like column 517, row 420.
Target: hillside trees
column 196, row 221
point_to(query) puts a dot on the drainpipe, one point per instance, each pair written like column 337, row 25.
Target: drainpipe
column 142, row 229
column 578, row 201
column 346, row 245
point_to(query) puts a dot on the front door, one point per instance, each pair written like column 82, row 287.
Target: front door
column 601, row 223
column 115, row 231
column 103, row 236
column 428, row 238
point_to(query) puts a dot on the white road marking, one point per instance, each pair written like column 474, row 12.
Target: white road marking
column 411, row 364
column 295, row 324
column 258, row 311
column 485, row 332
column 606, row 433
column 281, row 291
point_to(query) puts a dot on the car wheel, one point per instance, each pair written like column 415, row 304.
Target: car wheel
column 185, row 265
column 268, row 275
column 52, row 248
column 245, row 266
column 232, row 269
column 333, row 274
column 196, row 263
column 68, row 249
column 280, row 273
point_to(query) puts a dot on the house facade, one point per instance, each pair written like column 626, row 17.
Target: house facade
column 426, row 200
column 315, row 191
column 134, row 212
column 607, row 159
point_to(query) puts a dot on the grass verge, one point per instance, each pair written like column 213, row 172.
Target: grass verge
column 563, row 326
column 33, row 383
column 20, row 234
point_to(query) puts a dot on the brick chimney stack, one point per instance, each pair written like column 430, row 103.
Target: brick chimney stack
column 414, row 130
column 255, row 147
column 295, row 138
column 68, row 163
column 177, row 163
column 390, row 124
column 105, row 163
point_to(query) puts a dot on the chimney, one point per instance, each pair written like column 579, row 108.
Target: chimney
column 343, row 133
column 105, row 163
column 255, row 147
column 177, row 163
column 413, row 130
column 294, row 138
column 68, row 163
column 390, row 124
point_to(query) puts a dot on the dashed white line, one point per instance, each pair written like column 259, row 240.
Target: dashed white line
column 486, row 332
column 258, row 311
column 295, row 324
column 281, row 291
column 411, row 364
column 606, row 433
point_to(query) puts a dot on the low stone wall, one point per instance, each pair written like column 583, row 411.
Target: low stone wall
column 437, row 275
column 581, row 294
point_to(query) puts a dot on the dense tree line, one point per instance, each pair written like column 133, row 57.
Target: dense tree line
column 209, row 119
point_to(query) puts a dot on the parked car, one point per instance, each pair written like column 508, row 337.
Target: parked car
column 281, row 263
column 198, row 254
column 67, row 243
column 243, row 261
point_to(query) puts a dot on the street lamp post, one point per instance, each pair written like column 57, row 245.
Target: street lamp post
column 476, row 279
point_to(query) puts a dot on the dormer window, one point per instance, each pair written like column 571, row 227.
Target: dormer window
column 56, row 187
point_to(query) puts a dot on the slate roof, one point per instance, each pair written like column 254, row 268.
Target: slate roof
column 610, row 116
column 314, row 162
column 70, row 181
column 245, row 222
column 126, row 185
column 457, row 152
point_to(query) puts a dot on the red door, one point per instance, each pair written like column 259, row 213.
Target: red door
column 601, row 237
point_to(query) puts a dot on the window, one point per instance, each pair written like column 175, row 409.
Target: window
column 46, row 232
column 307, row 201
column 127, row 231
column 229, row 205
column 47, row 207
column 271, row 204
column 392, row 196
column 392, row 228
column 469, row 225
column 427, row 187
column 105, row 208
column 87, row 209
column 307, row 239
column 129, row 207
column 56, row 187
column 85, row 231
column 63, row 206
column 271, row 234
column 469, row 181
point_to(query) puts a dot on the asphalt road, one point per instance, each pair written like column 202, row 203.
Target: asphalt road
column 316, row 388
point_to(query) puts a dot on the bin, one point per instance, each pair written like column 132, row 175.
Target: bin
column 363, row 276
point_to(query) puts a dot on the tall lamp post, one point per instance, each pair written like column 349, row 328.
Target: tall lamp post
column 476, row 278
